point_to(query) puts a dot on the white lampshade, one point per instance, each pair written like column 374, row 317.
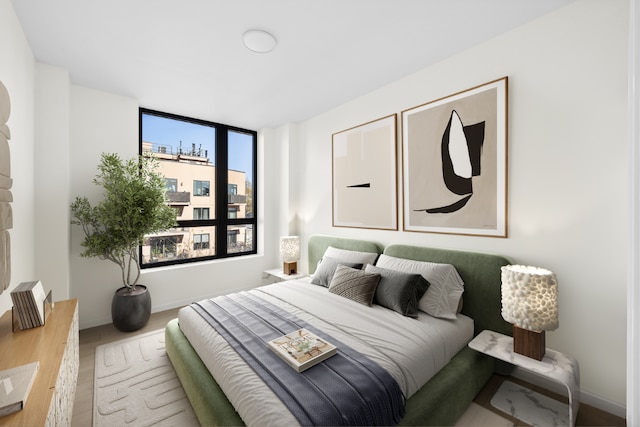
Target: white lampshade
column 530, row 297
column 290, row 248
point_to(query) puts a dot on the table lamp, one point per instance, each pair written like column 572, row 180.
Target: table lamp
column 530, row 303
column 290, row 253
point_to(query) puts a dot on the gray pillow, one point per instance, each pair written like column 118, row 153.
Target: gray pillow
column 398, row 291
column 327, row 267
column 356, row 285
column 446, row 286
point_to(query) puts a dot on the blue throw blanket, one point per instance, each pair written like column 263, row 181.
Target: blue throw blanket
column 346, row 389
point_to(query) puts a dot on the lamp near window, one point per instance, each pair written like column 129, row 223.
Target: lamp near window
column 530, row 303
column 290, row 253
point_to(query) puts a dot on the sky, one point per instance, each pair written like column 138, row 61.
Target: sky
column 170, row 132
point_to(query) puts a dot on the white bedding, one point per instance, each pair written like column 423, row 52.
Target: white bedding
column 411, row 350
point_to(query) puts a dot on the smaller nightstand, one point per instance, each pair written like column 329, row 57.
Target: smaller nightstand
column 554, row 366
column 277, row 275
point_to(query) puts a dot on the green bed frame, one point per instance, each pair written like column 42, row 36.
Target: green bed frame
column 441, row 401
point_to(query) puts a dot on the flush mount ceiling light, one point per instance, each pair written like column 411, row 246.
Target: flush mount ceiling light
column 259, row 41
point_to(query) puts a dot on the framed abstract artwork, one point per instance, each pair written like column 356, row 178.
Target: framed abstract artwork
column 364, row 176
column 454, row 163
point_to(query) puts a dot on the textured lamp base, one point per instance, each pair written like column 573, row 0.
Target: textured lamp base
column 529, row 343
column 290, row 267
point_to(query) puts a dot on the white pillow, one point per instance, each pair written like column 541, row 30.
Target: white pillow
column 363, row 258
column 443, row 296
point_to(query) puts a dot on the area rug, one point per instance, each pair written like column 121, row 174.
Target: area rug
column 529, row 406
column 136, row 385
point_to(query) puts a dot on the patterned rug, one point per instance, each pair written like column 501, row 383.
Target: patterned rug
column 136, row 385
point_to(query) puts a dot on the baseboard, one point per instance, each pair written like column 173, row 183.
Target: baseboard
column 587, row 398
column 182, row 303
column 94, row 323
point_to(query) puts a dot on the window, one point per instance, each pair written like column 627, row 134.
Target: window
column 172, row 184
column 233, row 211
column 200, row 241
column 210, row 171
column 232, row 238
column 163, row 247
column 200, row 213
column 201, row 188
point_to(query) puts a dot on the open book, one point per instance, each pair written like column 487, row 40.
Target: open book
column 302, row 349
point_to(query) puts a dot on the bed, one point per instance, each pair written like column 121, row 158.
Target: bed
column 440, row 401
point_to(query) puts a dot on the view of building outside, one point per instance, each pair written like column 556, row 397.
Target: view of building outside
column 190, row 174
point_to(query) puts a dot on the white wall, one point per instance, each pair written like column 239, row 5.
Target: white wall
column 567, row 179
column 633, row 285
column 99, row 122
column 17, row 74
column 52, row 181
column 285, row 164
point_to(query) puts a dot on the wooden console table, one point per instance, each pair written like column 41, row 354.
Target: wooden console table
column 55, row 346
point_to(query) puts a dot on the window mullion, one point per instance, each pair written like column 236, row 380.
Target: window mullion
column 222, row 180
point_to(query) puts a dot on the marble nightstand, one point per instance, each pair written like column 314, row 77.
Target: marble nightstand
column 277, row 275
column 554, row 366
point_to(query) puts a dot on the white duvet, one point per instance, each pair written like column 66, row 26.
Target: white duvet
column 411, row 350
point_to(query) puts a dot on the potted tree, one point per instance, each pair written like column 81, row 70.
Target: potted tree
column 133, row 206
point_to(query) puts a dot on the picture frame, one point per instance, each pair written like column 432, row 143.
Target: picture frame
column 454, row 163
column 364, row 175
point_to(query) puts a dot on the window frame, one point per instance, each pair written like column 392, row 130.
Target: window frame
column 201, row 241
column 200, row 215
column 221, row 222
column 171, row 183
column 199, row 185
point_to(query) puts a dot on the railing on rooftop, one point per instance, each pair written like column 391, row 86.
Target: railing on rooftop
column 166, row 151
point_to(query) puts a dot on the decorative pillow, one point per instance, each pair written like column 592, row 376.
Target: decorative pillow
column 327, row 267
column 442, row 299
column 399, row 291
column 356, row 285
column 363, row 258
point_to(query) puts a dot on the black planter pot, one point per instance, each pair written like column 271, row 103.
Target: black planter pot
column 131, row 309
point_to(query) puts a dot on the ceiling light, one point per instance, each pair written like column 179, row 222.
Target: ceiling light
column 259, row 41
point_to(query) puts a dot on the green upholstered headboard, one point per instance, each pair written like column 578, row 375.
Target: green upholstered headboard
column 481, row 275
column 318, row 244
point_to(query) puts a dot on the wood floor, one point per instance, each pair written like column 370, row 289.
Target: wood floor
column 93, row 337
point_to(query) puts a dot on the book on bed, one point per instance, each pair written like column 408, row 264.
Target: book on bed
column 301, row 349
